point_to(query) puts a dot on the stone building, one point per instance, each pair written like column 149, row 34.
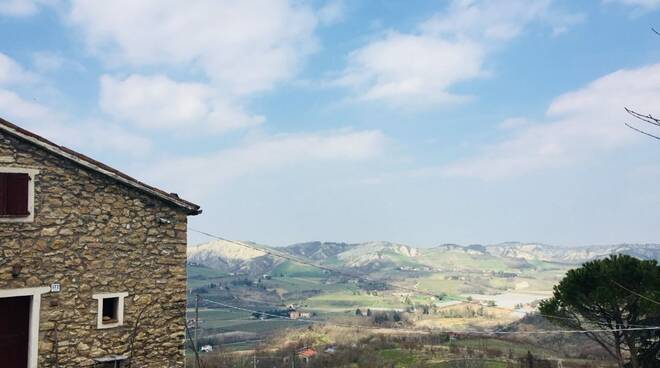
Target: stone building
column 92, row 261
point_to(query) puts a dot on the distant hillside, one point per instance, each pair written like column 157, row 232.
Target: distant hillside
column 572, row 255
column 382, row 256
column 318, row 251
column 229, row 257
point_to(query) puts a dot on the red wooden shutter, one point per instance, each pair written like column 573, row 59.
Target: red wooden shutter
column 17, row 194
column 3, row 194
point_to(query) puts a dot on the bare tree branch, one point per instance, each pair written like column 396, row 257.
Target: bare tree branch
column 641, row 131
column 646, row 118
column 134, row 332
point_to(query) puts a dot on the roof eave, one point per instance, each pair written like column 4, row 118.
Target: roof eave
column 82, row 160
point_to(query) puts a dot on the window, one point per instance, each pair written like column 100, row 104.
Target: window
column 109, row 308
column 17, row 194
column 14, row 194
column 110, row 311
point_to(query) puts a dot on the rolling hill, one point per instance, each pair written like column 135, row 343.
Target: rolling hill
column 383, row 256
column 462, row 279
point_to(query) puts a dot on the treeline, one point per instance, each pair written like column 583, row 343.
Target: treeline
column 384, row 351
column 382, row 318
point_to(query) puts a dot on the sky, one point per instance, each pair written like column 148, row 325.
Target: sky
column 420, row 122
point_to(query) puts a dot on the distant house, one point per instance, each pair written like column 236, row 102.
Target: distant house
column 296, row 314
column 306, row 354
column 206, row 349
column 85, row 250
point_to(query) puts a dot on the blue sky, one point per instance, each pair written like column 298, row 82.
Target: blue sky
column 420, row 122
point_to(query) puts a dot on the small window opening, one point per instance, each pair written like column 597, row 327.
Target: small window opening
column 110, row 310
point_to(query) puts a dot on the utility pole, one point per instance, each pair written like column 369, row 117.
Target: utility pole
column 254, row 360
column 196, row 326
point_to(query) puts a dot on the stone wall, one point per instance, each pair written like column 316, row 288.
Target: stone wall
column 94, row 235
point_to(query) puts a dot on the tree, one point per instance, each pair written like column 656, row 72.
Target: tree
column 528, row 361
column 614, row 294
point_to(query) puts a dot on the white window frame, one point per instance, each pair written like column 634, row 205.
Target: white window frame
column 35, row 308
column 120, row 309
column 32, row 173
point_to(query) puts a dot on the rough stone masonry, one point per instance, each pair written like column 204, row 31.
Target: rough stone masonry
column 93, row 234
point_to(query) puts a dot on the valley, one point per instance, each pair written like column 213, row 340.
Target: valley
column 387, row 287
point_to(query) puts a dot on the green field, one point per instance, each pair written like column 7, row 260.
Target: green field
column 333, row 297
column 437, row 284
column 486, row 364
column 463, row 261
column 233, row 320
column 348, row 300
column 293, row 269
column 399, row 357
column 404, row 358
column 504, row 346
column 206, row 272
column 200, row 276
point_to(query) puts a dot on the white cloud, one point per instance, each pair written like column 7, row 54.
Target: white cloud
column 13, row 73
column 198, row 175
column 18, row 8
column 242, row 46
column 47, row 61
column 639, row 4
column 419, row 69
column 24, row 8
column 494, row 20
column 55, row 125
column 94, row 136
column 15, row 107
column 102, row 136
column 231, row 49
column 581, row 125
column 332, row 12
column 12, row 105
column 412, row 69
column 512, row 123
column 159, row 102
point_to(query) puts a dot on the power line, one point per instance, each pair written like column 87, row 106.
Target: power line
column 572, row 331
column 361, row 277
column 315, row 265
column 496, row 332
column 345, row 274
column 635, row 293
column 252, row 311
column 293, row 319
column 342, row 273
